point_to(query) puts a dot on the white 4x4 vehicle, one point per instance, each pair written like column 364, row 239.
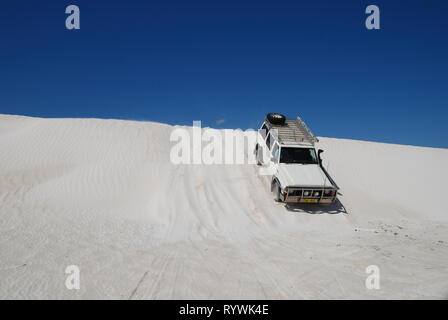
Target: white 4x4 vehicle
column 286, row 147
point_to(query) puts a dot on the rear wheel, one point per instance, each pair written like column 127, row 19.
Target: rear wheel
column 257, row 155
column 277, row 192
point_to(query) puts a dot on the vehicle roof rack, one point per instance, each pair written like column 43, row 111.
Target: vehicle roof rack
column 293, row 131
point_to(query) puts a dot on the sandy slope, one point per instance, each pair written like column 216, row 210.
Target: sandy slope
column 102, row 194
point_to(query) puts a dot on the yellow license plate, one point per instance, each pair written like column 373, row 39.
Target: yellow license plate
column 309, row 200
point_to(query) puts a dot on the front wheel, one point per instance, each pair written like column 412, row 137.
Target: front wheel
column 277, row 192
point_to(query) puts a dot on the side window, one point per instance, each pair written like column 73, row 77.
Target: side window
column 268, row 141
column 264, row 131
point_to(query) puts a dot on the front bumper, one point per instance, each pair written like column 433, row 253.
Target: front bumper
column 309, row 195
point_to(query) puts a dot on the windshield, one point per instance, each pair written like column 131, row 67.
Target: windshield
column 298, row 155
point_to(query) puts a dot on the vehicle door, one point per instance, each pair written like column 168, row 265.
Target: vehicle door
column 262, row 144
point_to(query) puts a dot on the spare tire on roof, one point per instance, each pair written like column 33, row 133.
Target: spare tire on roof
column 276, row 118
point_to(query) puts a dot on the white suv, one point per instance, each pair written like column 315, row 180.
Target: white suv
column 286, row 147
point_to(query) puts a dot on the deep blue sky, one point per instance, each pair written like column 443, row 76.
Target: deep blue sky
column 179, row 61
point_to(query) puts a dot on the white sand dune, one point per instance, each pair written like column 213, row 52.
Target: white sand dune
column 103, row 195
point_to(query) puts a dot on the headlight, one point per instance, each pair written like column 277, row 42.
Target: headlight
column 306, row 193
column 316, row 194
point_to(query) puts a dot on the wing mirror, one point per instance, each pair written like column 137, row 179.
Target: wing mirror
column 318, row 155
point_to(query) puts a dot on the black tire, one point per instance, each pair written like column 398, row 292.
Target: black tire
column 256, row 155
column 258, row 161
column 276, row 118
column 277, row 192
